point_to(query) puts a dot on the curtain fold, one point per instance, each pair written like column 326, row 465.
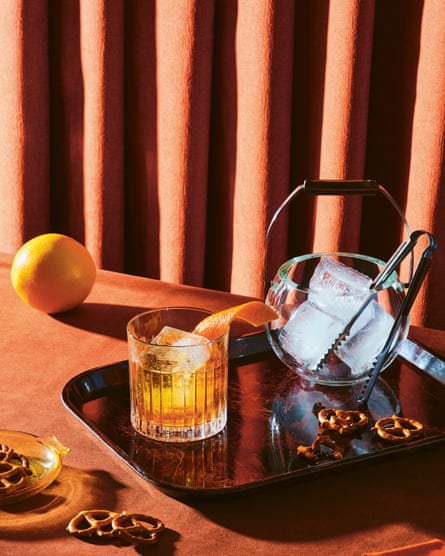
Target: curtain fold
column 425, row 191
column 164, row 134
column 102, row 66
column 263, row 99
column 344, row 121
column 24, row 111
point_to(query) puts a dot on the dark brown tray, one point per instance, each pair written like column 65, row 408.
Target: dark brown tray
column 270, row 414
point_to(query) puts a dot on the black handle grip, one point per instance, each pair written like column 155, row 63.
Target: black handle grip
column 341, row 187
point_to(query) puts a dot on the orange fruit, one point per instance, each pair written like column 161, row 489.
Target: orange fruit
column 53, row 273
column 255, row 313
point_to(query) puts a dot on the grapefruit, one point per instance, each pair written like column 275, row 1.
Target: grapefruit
column 53, row 273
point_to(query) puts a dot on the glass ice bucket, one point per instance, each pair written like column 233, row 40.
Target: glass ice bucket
column 332, row 326
column 343, row 316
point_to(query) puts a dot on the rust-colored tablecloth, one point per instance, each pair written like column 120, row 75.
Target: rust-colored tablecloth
column 373, row 507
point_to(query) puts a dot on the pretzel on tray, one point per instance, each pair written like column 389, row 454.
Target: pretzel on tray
column 313, row 452
column 336, row 426
column 138, row 529
column 398, row 429
column 341, row 420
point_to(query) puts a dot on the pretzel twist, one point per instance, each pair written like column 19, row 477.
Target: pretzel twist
column 313, row 451
column 337, row 425
column 14, row 468
column 307, row 452
column 8, row 454
column 335, row 428
column 129, row 527
column 398, row 429
column 11, row 476
column 92, row 522
column 106, row 524
column 324, row 440
column 5, row 452
column 341, row 420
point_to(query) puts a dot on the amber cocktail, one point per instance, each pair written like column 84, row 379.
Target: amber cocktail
column 178, row 379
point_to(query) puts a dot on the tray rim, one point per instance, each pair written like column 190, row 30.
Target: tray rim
column 238, row 353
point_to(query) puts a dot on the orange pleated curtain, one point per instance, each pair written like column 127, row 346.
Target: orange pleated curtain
column 164, row 134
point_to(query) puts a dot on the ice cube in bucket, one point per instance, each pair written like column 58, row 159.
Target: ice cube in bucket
column 316, row 296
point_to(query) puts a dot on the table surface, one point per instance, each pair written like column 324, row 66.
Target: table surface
column 376, row 506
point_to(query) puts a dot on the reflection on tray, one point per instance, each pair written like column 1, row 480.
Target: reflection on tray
column 198, row 465
column 294, row 421
column 270, row 414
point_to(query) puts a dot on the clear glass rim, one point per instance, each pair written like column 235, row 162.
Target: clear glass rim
column 204, row 312
column 283, row 271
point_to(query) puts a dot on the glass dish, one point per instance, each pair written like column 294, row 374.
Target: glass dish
column 45, row 462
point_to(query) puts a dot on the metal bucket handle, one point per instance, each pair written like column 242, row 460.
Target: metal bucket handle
column 337, row 187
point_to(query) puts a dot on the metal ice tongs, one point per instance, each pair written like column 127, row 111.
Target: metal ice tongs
column 377, row 284
column 402, row 251
column 410, row 296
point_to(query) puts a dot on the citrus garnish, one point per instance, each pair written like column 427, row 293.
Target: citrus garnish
column 255, row 313
column 53, row 273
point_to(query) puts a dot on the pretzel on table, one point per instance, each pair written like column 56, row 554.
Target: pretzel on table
column 133, row 528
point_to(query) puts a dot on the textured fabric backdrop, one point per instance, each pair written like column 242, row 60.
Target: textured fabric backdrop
column 164, row 133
